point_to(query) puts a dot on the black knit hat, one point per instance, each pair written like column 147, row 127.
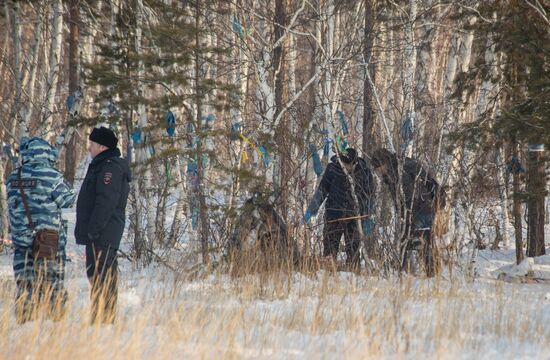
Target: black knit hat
column 382, row 157
column 104, row 136
column 349, row 156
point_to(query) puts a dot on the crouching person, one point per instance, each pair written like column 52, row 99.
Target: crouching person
column 36, row 194
column 416, row 196
column 100, row 219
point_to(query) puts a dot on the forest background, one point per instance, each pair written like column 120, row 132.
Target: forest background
column 214, row 101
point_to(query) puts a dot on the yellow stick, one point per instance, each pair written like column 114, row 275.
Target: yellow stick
column 349, row 218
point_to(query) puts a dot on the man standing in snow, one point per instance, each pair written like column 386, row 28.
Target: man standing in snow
column 345, row 207
column 36, row 194
column 100, row 219
column 416, row 196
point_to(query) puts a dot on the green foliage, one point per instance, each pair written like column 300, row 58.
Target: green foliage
column 166, row 59
column 522, row 43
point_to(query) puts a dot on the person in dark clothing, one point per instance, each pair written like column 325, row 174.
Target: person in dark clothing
column 416, row 195
column 344, row 207
column 100, row 219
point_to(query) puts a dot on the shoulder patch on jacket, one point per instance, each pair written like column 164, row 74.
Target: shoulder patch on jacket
column 107, row 177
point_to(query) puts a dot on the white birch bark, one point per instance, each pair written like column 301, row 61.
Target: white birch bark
column 292, row 54
column 142, row 122
column 426, row 70
column 327, row 85
column 236, row 116
column 486, row 90
column 265, row 104
column 89, row 50
column 54, row 67
column 459, row 59
column 410, row 70
column 19, row 128
column 180, row 180
column 4, row 55
column 321, row 113
column 29, row 72
column 4, row 224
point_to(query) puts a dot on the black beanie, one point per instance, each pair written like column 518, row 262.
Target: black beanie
column 348, row 156
column 104, row 136
column 382, row 157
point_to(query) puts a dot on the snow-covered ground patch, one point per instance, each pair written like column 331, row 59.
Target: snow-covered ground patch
column 302, row 316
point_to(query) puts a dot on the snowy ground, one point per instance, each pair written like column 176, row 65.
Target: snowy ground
column 305, row 316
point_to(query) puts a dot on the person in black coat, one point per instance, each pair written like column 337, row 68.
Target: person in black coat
column 342, row 208
column 100, row 219
column 416, row 196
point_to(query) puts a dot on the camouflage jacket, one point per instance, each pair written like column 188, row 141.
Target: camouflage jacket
column 45, row 189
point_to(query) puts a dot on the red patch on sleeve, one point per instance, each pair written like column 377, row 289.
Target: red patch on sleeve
column 107, row 178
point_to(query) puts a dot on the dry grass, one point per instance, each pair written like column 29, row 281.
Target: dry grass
column 320, row 315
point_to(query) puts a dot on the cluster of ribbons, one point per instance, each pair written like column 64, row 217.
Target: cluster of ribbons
column 237, row 134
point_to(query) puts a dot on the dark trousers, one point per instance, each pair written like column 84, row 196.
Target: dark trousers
column 418, row 236
column 101, row 268
column 332, row 233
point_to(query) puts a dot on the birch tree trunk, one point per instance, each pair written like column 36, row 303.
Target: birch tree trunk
column 293, row 125
column 236, row 117
column 29, row 71
column 19, row 128
column 54, row 67
column 180, row 205
column 518, row 226
column 143, row 189
column 369, row 141
column 4, row 222
column 4, row 53
column 280, row 68
column 459, row 55
column 321, row 111
column 489, row 89
column 327, row 85
column 410, row 70
column 203, row 213
column 426, row 119
column 385, row 80
column 71, row 154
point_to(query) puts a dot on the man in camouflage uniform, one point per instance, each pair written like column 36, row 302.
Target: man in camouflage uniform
column 47, row 193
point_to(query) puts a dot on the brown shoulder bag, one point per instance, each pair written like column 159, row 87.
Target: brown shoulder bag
column 45, row 242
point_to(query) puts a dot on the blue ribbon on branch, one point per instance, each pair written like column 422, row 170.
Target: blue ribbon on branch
column 170, row 120
column 317, row 166
column 343, row 122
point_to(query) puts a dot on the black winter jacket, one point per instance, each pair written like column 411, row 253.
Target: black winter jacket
column 101, row 204
column 335, row 187
column 419, row 189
